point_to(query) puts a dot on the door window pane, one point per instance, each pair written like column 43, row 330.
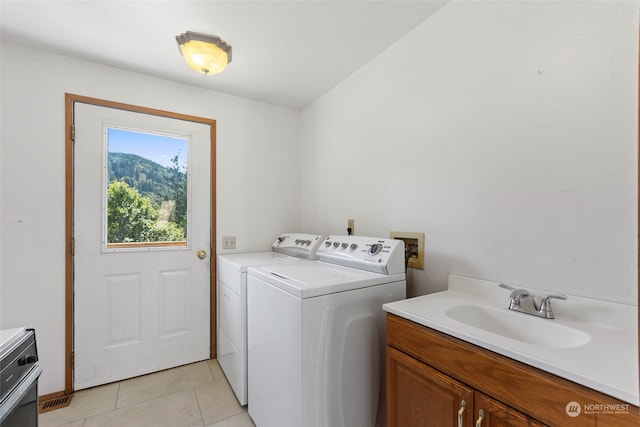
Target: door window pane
column 146, row 193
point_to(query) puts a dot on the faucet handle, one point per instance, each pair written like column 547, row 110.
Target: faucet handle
column 516, row 296
column 545, row 305
column 511, row 288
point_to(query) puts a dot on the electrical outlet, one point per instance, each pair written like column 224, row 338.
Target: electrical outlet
column 228, row 242
column 351, row 228
column 413, row 246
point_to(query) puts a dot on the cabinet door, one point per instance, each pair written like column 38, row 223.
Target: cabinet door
column 420, row 396
column 497, row 414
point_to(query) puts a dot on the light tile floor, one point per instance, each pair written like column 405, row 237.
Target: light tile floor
column 192, row 395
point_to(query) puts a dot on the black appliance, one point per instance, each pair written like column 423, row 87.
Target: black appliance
column 19, row 373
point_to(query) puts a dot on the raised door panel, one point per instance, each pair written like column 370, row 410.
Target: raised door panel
column 497, row 414
column 420, row 396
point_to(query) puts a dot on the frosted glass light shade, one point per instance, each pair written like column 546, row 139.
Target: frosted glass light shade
column 206, row 54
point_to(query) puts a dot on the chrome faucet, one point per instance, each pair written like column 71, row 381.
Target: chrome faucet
column 524, row 302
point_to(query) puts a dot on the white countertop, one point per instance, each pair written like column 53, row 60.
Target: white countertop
column 604, row 355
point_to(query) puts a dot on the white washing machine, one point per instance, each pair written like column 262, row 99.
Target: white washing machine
column 232, row 300
column 317, row 334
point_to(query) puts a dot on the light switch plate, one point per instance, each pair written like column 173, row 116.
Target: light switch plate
column 228, row 242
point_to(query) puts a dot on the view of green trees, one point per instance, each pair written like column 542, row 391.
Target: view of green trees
column 146, row 202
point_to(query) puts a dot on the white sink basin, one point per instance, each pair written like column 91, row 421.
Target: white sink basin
column 584, row 333
column 518, row 326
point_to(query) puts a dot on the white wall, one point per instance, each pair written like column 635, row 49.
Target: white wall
column 506, row 132
column 255, row 201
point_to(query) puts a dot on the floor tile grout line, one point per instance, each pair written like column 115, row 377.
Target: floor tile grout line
column 166, row 393
column 85, row 417
column 225, row 419
column 199, row 406
column 115, row 408
column 195, row 395
column 117, row 395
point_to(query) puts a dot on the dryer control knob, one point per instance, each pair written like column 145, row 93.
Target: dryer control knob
column 375, row 249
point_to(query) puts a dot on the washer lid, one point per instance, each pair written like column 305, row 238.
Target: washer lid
column 240, row 262
column 312, row 279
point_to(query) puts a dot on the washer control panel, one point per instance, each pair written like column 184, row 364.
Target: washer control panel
column 375, row 254
column 300, row 245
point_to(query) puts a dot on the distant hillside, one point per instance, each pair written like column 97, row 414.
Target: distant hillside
column 151, row 179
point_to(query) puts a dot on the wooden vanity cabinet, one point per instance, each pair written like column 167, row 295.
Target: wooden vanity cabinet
column 430, row 374
column 425, row 397
column 422, row 396
column 497, row 414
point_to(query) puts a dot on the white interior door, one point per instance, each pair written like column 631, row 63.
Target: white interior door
column 138, row 308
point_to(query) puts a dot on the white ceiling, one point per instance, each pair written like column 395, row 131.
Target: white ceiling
column 284, row 52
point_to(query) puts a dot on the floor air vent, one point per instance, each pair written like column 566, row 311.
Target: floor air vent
column 58, row 402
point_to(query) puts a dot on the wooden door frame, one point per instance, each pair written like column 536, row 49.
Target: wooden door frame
column 70, row 100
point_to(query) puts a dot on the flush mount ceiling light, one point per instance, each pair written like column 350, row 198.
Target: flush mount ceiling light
column 206, row 54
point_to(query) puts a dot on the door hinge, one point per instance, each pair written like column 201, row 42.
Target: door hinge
column 73, row 133
column 73, row 246
column 73, row 358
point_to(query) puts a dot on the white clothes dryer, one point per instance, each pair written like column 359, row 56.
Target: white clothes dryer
column 231, row 329
column 317, row 334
